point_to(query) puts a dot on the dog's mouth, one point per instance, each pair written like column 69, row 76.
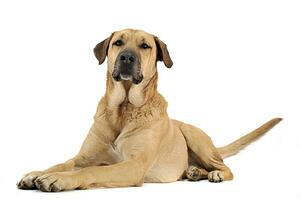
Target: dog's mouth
column 135, row 78
column 126, row 77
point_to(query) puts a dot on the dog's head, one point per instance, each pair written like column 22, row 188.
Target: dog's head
column 132, row 55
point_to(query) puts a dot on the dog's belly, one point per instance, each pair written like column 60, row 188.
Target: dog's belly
column 172, row 163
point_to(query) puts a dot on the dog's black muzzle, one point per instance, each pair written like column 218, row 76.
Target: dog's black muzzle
column 127, row 67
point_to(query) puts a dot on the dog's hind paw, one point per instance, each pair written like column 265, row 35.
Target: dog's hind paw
column 195, row 174
column 215, row 176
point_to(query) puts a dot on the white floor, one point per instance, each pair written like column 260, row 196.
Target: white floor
column 238, row 189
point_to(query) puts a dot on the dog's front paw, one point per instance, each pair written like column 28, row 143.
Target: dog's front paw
column 27, row 182
column 215, row 176
column 55, row 182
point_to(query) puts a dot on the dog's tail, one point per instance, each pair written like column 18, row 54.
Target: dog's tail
column 234, row 147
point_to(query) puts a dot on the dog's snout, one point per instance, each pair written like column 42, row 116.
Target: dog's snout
column 127, row 57
column 127, row 67
column 127, row 62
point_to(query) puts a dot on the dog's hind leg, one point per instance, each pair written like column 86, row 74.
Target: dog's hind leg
column 202, row 150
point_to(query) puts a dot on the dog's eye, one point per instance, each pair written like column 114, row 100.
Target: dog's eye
column 118, row 43
column 144, row 46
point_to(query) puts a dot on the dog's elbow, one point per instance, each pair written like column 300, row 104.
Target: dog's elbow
column 136, row 172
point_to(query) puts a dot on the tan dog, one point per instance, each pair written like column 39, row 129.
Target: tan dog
column 132, row 140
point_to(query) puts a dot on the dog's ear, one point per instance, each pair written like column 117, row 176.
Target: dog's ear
column 162, row 53
column 101, row 49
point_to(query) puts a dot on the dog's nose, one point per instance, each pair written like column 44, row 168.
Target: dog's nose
column 127, row 57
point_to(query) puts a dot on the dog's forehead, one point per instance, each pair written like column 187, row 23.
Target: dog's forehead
column 131, row 34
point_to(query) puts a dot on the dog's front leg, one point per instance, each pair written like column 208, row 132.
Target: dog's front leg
column 96, row 150
column 139, row 149
column 27, row 182
column 127, row 173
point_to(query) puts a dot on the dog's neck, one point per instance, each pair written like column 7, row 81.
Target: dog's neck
column 125, row 103
column 125, row 92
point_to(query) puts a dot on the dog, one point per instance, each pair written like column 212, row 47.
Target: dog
column 132, row 140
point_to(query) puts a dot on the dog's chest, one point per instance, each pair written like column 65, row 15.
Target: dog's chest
column 126, row 114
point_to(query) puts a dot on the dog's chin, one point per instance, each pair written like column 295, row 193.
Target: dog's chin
column 125, row 77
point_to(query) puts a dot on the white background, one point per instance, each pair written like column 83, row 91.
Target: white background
column 236, row 65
